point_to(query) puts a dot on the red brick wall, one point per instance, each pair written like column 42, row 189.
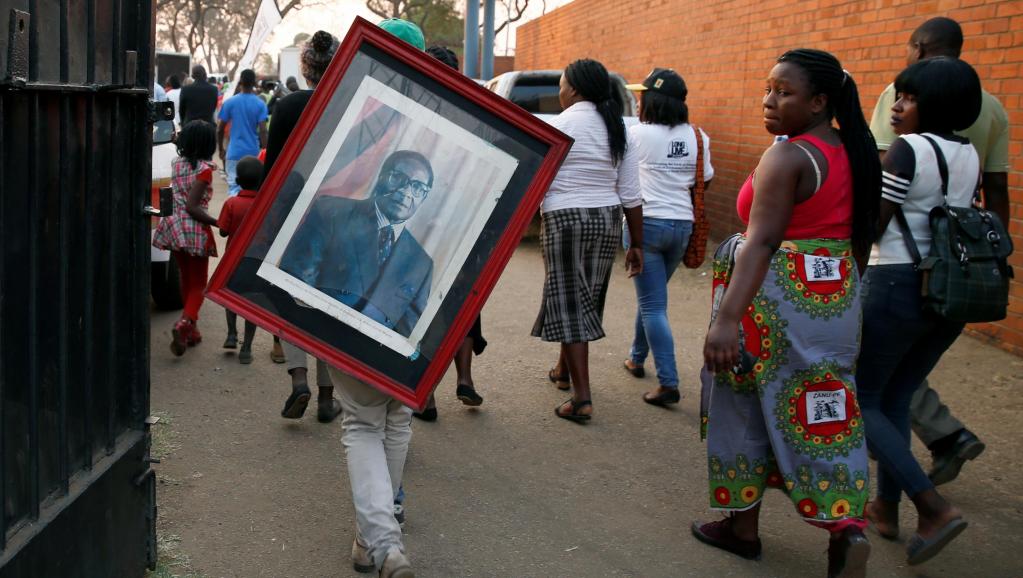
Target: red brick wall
column 725, row 48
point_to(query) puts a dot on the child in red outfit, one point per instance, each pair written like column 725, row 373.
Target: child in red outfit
column 188, row 232
column 249, row 176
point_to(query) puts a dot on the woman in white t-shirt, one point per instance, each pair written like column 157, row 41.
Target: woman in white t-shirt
column 665, row 145
column 901, row 343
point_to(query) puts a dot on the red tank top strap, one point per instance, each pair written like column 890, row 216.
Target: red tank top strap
column 824, row 147
column 825, row 215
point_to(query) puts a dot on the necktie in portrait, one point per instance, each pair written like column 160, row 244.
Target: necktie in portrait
column 385, row 243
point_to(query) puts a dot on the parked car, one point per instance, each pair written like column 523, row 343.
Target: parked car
column 165, row 279
column 537, row 92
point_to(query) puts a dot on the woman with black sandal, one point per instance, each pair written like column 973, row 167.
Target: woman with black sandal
column 779, row 392
column 581, row 229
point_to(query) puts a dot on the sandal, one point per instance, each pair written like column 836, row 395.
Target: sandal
column 633, row 368
column 662, row 399
column 561, row 381
column 575, row 415
column 920, row 549
column 872, row 523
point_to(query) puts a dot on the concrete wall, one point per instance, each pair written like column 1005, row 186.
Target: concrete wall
column 725, row 48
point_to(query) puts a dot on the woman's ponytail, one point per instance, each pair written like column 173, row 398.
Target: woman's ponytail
column 827, row 76
column 865, row 164
column 590, row 79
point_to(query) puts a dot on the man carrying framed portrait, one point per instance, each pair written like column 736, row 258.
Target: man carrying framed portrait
column 381, row 229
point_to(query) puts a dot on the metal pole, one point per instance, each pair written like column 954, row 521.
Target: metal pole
column 488, row 40
column 470, row 57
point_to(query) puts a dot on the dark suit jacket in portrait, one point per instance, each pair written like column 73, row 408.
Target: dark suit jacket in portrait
column 335, row 249
column 197, row 101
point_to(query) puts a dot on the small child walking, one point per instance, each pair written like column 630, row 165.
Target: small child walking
column 187, row 233
column 248, row 176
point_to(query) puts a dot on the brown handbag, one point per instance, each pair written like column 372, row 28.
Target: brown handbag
column 697, row 249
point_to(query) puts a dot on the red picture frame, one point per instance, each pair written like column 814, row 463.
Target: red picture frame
column 372, row 66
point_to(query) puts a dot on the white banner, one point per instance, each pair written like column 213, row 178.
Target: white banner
column 266, row 19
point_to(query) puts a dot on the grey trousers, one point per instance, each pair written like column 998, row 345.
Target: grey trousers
column 375, row 433
column 931, row 419
column 297, row 359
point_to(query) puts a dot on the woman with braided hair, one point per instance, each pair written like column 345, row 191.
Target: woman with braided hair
column 581, row 227
column 779, row 395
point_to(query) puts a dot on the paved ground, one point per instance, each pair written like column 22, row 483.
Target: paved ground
column 510, row 490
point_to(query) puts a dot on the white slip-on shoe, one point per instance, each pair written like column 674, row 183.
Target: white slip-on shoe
column 396, row 565
column 360, row 558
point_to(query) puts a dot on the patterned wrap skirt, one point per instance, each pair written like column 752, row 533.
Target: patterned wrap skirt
column 793, row 422
column 579, row 247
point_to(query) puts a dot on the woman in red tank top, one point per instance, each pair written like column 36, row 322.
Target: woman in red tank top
column 779, row 398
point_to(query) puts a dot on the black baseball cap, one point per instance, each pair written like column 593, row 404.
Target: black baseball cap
column 663, row 80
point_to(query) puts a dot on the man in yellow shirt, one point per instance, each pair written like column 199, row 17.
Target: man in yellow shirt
column 951, row 444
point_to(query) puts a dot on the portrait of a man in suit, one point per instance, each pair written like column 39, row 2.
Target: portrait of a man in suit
column 359, row 252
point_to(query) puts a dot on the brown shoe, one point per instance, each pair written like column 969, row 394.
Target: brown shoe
column 719, row 534
column 277, row 353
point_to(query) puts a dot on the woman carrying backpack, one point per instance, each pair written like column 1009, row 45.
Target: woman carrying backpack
column 901, row 342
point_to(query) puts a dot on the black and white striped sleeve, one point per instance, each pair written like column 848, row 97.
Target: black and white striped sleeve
column 899, row 166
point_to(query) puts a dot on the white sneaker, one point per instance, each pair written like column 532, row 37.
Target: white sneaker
column 396, row 565
column 399, row 515
column 360, row 558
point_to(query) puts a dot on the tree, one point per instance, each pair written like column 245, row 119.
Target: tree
column 514, row 11
column 424, row 12
column 214, row 32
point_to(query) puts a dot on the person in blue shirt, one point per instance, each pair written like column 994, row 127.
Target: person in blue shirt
column 247, row 114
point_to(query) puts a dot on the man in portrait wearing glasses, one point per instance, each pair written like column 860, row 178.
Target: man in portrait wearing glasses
column 360, row 251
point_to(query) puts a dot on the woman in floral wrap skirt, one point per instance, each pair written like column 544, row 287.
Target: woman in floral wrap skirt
column 779, row 396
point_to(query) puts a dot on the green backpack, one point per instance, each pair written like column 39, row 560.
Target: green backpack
column 966, row 276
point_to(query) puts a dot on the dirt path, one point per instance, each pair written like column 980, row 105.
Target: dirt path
column 510, row 490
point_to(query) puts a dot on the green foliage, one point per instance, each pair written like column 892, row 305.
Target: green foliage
column 440, row 22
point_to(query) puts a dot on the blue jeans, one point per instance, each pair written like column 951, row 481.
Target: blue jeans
column 664, row 244
column 231, row 167
column 900, row 345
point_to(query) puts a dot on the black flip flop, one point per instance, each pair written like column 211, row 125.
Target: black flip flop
column 575, row 415
column 558, row 380
column 920, row 550
column 294, row 407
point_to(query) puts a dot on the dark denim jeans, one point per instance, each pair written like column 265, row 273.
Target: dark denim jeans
column 900, row 345
column 664, row 244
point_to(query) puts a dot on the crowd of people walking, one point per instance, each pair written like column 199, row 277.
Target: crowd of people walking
column 819, row 348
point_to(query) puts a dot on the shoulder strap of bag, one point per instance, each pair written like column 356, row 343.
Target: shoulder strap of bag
column 907, row 234
column 942, row 166
column 698, row 185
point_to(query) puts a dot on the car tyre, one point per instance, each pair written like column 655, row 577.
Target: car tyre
column 166, row 285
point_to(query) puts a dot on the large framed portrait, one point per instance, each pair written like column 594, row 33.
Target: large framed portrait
column 389, row 216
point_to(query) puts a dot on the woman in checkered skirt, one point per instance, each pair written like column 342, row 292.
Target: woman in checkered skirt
column 581, row 229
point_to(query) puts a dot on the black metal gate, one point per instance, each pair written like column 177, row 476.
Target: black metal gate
column 77, row 497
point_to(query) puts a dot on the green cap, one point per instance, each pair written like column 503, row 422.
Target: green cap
column 405, row 30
